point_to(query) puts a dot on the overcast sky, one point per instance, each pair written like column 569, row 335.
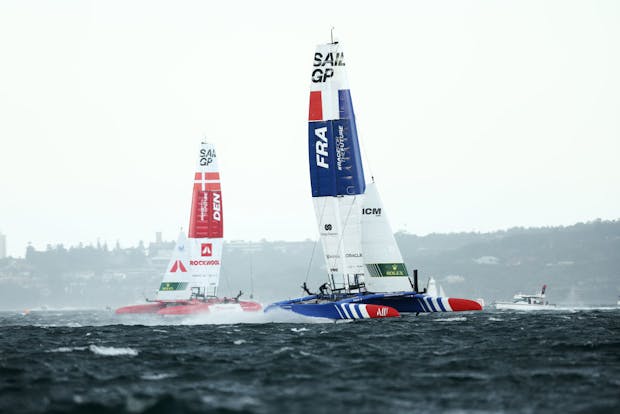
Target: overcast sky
column 474, row 115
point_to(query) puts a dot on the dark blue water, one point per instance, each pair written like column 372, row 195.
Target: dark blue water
column 95, row 362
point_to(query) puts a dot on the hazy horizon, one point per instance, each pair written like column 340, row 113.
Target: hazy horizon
column 172, row 237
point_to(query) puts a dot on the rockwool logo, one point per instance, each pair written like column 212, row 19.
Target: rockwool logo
column 206, row 249
column 178, row 267
column 204, row 262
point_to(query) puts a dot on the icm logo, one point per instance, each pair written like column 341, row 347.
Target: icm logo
column 371, row 211
column 321, row 147
column 206, row 249
column 206, row 156
column 217, row 207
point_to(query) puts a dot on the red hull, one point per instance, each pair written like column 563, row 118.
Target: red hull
column 381, row 311
column 460, row 305
column 147, row 308
column 191, row 307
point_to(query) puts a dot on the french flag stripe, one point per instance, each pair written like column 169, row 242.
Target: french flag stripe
column 363, row 311
column 339, row 313
column 344, row 310
column 440, row 303
column 430, row 303
column 446, row 303
column 353, row 309
column 316, row 106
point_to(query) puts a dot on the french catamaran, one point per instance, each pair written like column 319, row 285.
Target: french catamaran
column 365, row 266
column 192, row 277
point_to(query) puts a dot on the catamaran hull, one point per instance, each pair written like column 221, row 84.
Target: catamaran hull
column 139, row 309
column 338, row 310
column 213, row 307
column 191, row 307
column 375, row 304
column 421, row 303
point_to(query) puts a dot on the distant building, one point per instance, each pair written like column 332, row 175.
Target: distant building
column 2, row 246
column 160, row 251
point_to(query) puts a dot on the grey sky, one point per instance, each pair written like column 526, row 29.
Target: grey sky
column 475, row 115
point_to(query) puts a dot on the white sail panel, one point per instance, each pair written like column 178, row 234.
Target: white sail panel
column 205, row 262
column 385, row 270
column 338, row 220
column 177, row 282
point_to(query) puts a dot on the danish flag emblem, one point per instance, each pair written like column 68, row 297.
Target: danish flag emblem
column 178, row 267
column 206, row 249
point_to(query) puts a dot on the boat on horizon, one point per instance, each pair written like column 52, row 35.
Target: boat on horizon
column 536, row 301
column 364, row 264
column 190, row 283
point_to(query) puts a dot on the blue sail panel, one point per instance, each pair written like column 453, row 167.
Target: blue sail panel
column 334, row 153
column 345, row 105
column 349, row 170
column 322, row 159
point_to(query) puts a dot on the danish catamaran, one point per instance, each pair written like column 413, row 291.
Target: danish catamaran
column 365, row 266
column 192, row 277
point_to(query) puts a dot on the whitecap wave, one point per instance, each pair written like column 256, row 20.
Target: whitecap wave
column 68, row 349
column 283, row 349
column 112, row 351
column 156, row 376
column 453, row 319
column 299, row 329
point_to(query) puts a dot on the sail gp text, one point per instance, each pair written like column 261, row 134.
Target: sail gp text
column 206, row 156
column 322, row 72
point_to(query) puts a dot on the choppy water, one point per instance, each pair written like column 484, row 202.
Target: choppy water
column 96, row 362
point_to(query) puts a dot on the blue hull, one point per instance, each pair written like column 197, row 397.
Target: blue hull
column 334, row 307
column 347, row 306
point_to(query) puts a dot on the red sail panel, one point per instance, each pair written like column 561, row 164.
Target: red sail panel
column 316, row 106
column 207, row 215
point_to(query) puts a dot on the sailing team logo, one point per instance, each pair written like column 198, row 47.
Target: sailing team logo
column 178, row 267
column 206, row 249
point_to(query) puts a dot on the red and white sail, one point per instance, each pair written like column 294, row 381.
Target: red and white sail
column 195, row 265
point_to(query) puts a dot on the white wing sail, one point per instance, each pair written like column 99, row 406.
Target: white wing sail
column 385, row 269
column 336, row 172
column 177, row 281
